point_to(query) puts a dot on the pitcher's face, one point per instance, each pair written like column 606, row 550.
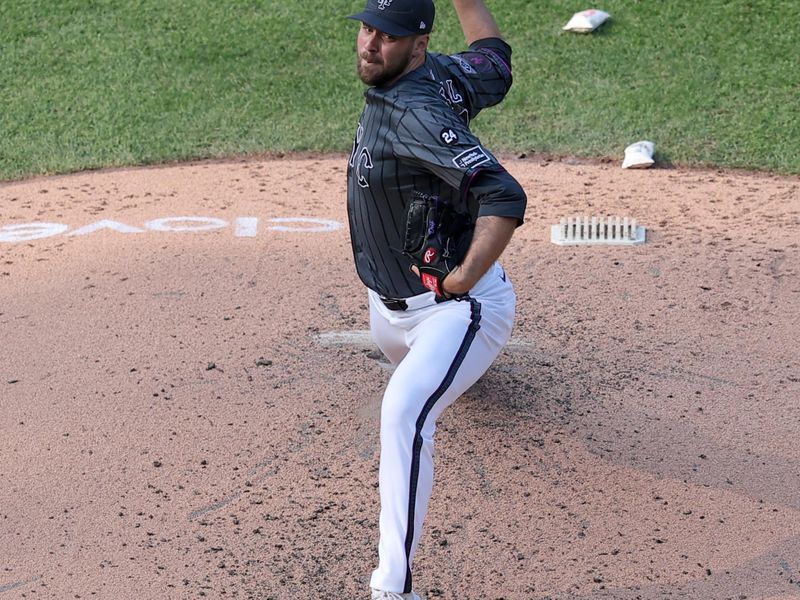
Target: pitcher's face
column 383, row 58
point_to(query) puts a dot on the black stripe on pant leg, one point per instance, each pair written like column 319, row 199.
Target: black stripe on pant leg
column 474, row 325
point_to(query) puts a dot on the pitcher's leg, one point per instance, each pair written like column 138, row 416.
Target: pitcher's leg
column 449, row 352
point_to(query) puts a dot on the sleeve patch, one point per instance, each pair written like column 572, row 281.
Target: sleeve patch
column 448, row 136
column 471, row 158
column 464, row 65
column 480, row 62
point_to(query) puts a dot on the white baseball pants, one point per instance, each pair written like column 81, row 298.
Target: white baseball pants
column 439, row 351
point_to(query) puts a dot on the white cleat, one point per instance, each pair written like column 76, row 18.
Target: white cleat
column 381, row 595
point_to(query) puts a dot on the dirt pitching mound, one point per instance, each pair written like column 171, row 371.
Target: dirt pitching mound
column 190, row 399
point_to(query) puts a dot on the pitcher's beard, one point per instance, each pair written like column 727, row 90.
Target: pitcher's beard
column 382, row 75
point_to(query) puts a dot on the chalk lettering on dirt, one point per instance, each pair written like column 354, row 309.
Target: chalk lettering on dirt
column 243, row 227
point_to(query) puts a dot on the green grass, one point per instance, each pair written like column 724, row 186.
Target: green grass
column 94, row 83
column 712, row 82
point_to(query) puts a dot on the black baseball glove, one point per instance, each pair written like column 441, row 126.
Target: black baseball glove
column 435, row 237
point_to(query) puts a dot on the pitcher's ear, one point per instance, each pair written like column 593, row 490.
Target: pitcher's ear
column 421, row 44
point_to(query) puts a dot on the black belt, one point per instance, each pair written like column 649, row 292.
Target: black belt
column 394, row 303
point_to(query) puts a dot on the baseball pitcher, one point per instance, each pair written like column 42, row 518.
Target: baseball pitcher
column 430, row 212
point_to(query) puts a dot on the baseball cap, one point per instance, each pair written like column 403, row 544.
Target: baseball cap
column 400, row 18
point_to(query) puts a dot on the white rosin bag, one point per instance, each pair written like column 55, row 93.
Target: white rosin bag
column 586, row 21
column 639, row 155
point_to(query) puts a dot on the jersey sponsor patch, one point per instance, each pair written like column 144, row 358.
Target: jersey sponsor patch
column 448, row 136
column 471, row 158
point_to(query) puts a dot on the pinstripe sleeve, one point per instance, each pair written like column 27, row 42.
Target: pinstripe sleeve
column 483, row 72
column 438, row 142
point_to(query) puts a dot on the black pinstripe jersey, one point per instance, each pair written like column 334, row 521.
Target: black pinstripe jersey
column 414, row 136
